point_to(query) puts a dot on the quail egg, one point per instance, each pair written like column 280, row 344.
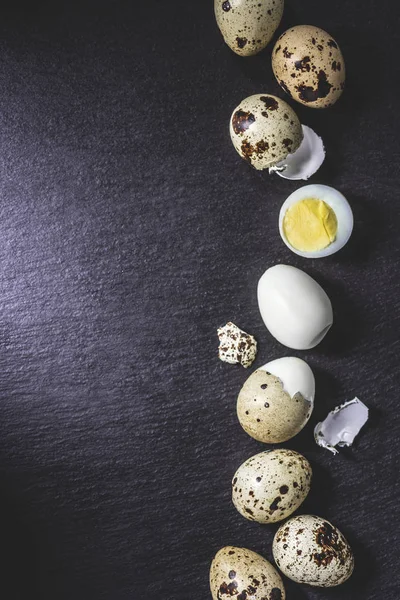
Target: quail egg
column 294, row 307
column 248, row 25
column 267, row 133
column 264, row 130
column 309, row 66
column 270, row 486
column 309, row 549
column 275, row 404
column 315, row 221
column 244, row 575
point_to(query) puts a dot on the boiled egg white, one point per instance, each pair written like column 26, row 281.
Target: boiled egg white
column 294, row 307
column 297, row 228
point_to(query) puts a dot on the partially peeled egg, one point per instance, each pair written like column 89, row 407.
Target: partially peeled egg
column 267, row 133
column 277, row 400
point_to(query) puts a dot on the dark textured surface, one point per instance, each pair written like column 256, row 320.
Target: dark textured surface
column 130, row 230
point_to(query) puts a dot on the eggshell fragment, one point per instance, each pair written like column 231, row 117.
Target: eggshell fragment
column 294, row 307
column 309, row 549
column 342, row 425
column 248, row 25
column 267, row 412
column 305, row 161
column 270, row 486
column 236, row 346
column 244, row 575
column 309, row 66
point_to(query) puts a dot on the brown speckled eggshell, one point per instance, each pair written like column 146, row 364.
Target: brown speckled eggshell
column 309, row 66
column 242, row 574
column 267, row 412
column 309, row 549
column 248, row 25
column 265, row 130
column 271, row 485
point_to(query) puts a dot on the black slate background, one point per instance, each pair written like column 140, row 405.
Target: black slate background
column 130, row 230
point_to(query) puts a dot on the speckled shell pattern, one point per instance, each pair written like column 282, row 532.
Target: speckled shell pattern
column 267, row 412
column 309, row 66
column 309, row 549
column 264, row 130
column 242, row 574
column 270, row 486
column 248, row 25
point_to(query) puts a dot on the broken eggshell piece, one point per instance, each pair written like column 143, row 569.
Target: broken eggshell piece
column 305, row 161
column 236, row 346
column 342, row 425
column 267, row 133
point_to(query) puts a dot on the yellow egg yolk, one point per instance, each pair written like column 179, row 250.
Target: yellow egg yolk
column 310, row 225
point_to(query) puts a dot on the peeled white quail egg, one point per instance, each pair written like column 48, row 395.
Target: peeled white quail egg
column 294, row 307
column 267, row 133
column 270, row 486
column 244, row 575
column 309, row 549
column 248, row 25
column 315, row 221
column 277, row 400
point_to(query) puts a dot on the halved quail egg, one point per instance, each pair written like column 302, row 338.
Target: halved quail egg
column 315, row 221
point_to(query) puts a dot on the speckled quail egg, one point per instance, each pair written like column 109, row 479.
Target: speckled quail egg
column 309, row 549
column 270, row 486
column 309, row 66
column 265, row 130
column 273, row 408
column 248, row 25
column 244, row 575
column 294, row 307
column 315, row 221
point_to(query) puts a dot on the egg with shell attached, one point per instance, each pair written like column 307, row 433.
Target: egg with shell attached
column 242, row 574
column 271, row 485
column 247, row 26
column 308, row 64
column 264, row 130
column 277, row 400
column 309, row 549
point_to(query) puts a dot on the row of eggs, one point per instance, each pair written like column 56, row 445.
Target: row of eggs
column 307, row 62
column 276, row 401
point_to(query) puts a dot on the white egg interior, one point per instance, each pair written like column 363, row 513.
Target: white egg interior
column 340, row 206
column 305, row 161
column 295, row 374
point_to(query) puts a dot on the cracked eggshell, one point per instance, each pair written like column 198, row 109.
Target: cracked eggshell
column 309, row 549
column 243, row 574
column 309, row 66
column 267, row 412
column 294, row 307
column 270, row 486
column 247, row 26
column 265, row 130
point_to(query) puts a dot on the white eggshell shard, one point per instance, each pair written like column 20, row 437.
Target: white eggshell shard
column 305, row 161
column 342, row 425
column 295, row 374
column 337, row 202
column 294, row 307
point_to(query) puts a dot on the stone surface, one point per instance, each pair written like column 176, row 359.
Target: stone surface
column 127, row 220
